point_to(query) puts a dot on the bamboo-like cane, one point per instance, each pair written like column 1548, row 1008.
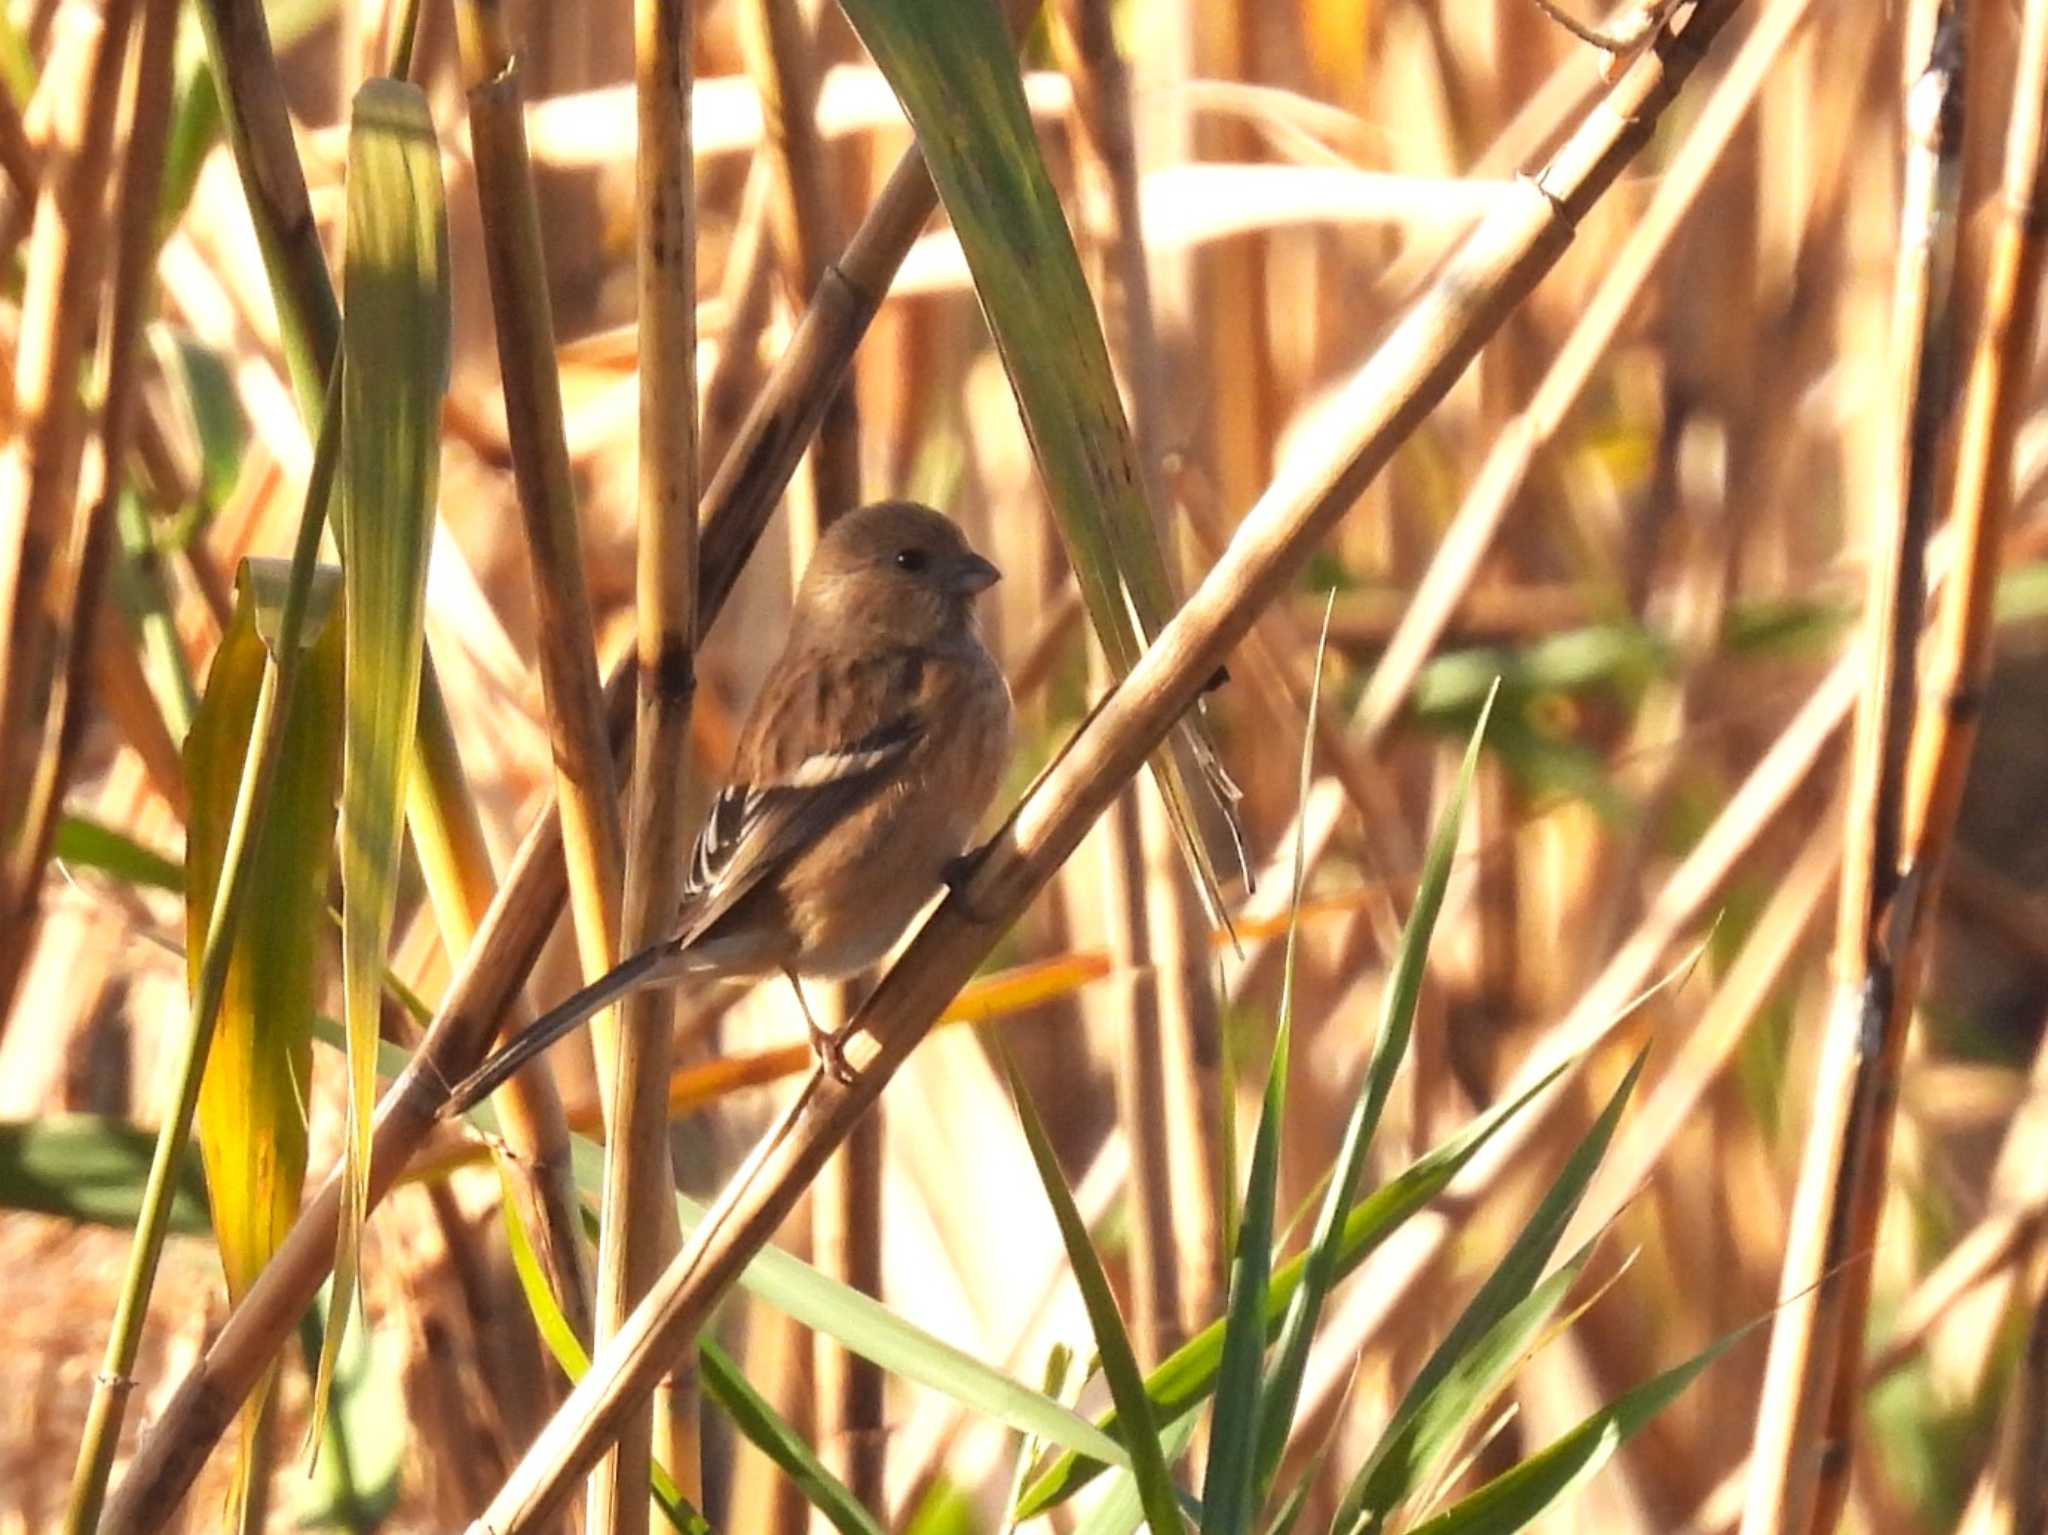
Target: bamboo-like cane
column 585, row 783
column 1421, row 358
column 1801, row 1454
column 640, row 1233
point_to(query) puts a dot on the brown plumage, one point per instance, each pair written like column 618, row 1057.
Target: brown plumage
column 871, row 754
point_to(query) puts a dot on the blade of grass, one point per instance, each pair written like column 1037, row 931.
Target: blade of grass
column 396, row 335
column 1381, row 1484
column 1112, row 1343
column 1379, row 1487
column 1058, row 1365
column 1397, row 1021
column 1230, row 1482
column 1515, row 1497
column 110, row 1393
column 86, row 1167
column 92, row 844
column 1186, row 1377
column 1120, row 1512
column 765, row 1428
column 252, row 1098
column 1432, row 1416
column 956, row 74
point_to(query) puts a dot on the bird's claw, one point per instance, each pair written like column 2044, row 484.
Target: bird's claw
column 830, row 1049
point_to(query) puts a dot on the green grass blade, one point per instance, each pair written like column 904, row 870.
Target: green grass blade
column 1186, row 1376
column 1515, row 1497
column 1230, row 1482
column 395, row 339
column 367, row 1433
column 1397, row 1022
column 1119, row 1512
column 252, row 1097
column 951, row 65
column 88, row 1167
column 1427, row 1425
column 1390, row 1474
column 1059, row 1364
column 754, row 1417
column 89, row 844
column 1230, row 1479
column 1156, row 1492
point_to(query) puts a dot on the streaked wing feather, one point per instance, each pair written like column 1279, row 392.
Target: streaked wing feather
column 753, row 829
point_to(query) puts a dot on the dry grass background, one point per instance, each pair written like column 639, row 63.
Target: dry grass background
column 1678, row 558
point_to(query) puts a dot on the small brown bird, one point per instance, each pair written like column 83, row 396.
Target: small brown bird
column 872, row 753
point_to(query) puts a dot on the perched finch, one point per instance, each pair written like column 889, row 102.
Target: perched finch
column 877, row 742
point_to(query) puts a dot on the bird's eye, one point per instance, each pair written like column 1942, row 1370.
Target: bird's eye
column 912, row 560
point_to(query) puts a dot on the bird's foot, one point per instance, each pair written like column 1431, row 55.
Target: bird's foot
column 830, row 1049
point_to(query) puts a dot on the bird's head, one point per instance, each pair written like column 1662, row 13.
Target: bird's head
column 895, row 567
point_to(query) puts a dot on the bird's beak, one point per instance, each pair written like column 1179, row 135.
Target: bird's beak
column 974, row 575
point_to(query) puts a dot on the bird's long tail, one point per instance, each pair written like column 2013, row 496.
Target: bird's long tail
column 646, row 968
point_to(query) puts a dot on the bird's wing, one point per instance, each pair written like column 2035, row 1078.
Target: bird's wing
column 755, row 828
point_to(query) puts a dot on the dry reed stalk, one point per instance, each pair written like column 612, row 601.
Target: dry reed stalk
column 1778, row 939
column 1687, row 899
column 1272, row 652
column 1422, row 357
column 735, row 510
column 76, row 598
column 2019, row 1175
column 122, row 693
column 849, row 1394
column 259, row 128
column 1235, row 340
column 846, row 1207
column 1982, row 1257
column 1802, row 1453
column 1447, row 585
column 2011, row 1496
column 747, row 296
column 779, row 48
column 640, row 1233
column 1487, row 615
column 586, row 787
column 585, row 781
column 44, row 537
column 19, row 161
